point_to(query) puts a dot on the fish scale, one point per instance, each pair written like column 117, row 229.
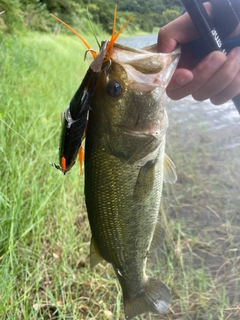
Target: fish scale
column 121, row 219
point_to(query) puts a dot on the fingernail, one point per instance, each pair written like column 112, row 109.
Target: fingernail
column 216, row 60
column 181, row 80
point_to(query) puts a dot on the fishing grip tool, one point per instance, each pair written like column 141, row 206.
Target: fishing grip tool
column 207, row 32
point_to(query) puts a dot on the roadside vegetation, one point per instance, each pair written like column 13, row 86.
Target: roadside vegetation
column 44, row 231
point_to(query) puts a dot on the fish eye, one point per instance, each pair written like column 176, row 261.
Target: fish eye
column 114, row 89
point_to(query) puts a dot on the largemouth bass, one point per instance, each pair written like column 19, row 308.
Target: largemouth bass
column 125, row 165
column 125, row 162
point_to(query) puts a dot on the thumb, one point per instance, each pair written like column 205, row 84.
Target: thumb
column 180, row 30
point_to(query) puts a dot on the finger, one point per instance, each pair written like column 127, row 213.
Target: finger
column 233, row 88
column 230, row 92
column 180, row 30
column 222, row 79
column 180, row 78
column 201, row 75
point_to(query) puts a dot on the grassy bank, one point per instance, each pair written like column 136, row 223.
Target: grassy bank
column 44, row 232
column 43, row 251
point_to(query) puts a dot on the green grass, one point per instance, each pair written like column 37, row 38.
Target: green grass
column 44, row 235
column 44, row 232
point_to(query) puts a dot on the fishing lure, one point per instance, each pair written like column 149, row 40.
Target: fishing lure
column 75, row 117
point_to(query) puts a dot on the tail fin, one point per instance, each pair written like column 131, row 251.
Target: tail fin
column 154, row 298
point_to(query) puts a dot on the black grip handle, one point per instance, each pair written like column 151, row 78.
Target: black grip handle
column 207, row 32
column 236, row 101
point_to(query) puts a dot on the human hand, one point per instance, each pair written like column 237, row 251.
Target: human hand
column 215, row 77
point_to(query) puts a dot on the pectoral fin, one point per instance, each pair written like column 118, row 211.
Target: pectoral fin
column 158, row 236
column 95, row 256
column 145, row 182
column 169, row 173
column 147, row 150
